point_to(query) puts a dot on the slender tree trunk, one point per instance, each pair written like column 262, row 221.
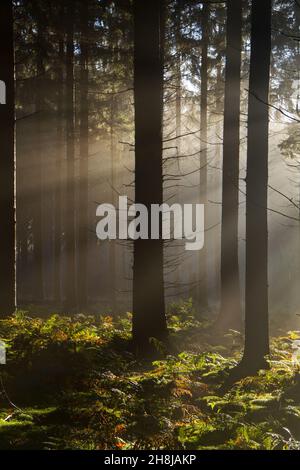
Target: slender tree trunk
column 230, row 314
column 214, row 238
column 178, row 109
column 112, row 244
column 178, row 112
column 202, row 290
column 256, row 319
column 58, row 178
column 178, row 100
column 84, row 152
column 297, row 21
column 37, row 221
column 7, row 172
column 149, row 318
column 70, row 277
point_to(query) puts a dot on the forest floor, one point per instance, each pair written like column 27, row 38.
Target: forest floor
column 73, row 383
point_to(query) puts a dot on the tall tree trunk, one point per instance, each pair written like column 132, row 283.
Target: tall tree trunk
column 149, row 318
column 256, row 315
column 37, row 221
column 58, row 168
column 112, row 244
column 230, row 314
column 202, row 289
column 84, row 153
column 7, row 176
column 178, row 112
column 214, row 238
column 70, row 285
column 297, row 24
column 178, row 100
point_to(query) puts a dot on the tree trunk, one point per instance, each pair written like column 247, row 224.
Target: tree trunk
column 37, row 290
column 230, row 314
column 7, row 172
column 214, row 239
column 84, row 153
column 149, row 318
column 112, row 244
column 178, row 112
column 70, row 286
column 256, row 319
column 202, row 289
column 58, row 179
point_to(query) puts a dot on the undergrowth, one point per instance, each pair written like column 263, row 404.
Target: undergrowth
column 74, row 383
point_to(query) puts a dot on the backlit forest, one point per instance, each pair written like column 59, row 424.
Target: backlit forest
column 143, row 344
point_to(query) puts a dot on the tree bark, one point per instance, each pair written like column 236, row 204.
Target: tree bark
column 37, row 290
column 202, row 289
column 178, row 112
column 70, row 284
column 84, row 153
column 149, row 318
column 112, row 244
column 256, row 314
column 58, row 168
column 230, row 313
column 7, row 171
